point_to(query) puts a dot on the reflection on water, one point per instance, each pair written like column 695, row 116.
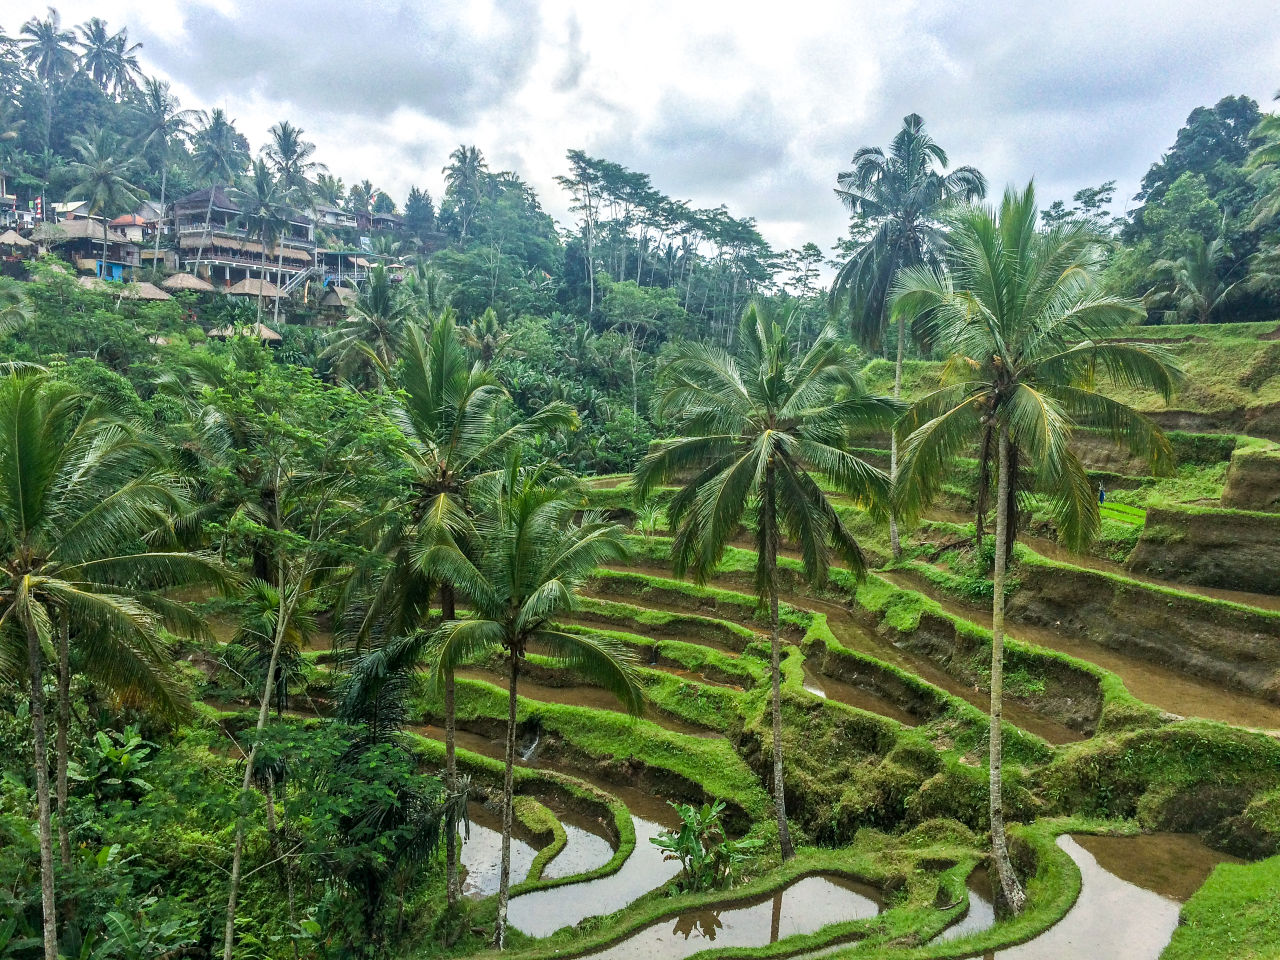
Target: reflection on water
column 584, row 850
column 482, row 854
column 981, row 914
column 805, row 906
column 1129, row 914
column 543, row 912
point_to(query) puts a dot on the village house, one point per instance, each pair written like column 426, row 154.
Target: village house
column 214, row 243
column 91, row 246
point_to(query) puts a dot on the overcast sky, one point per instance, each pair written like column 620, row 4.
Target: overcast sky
column 749, row 104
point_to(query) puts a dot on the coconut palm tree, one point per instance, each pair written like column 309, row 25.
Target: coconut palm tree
column 754, row 425
column 163, row 122
column 535, row 558
column 221, row 155
column 47, row 49
column 1265, row 157
column 449, row 412
column 265, row 216
column 462, row 176
column 1197, row 284
column 108, row 58
column 902, row 195
column 78, row 492
column 364, row 348
column 485, row 337
column 291, row 160
column 330, row 189
column 102, row 178
column 1027, row 326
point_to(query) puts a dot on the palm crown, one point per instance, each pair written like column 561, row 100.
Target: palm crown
column 1027, row 324
column 904, row 196
column 754, row 424
column 534, row 560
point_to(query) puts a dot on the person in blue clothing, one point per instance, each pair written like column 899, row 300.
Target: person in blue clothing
column 1102, row 494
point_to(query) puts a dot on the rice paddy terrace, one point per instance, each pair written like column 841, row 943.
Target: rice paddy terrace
column 1142, row 731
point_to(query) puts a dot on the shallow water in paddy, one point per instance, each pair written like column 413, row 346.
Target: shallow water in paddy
column 482, row 854
column 805, row 906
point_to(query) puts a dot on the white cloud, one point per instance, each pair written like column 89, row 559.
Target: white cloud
column 754, row 106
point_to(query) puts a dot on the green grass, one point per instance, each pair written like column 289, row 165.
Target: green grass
column 1234, row 916
column 541, row 823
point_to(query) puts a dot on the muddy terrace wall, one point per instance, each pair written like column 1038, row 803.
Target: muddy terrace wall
column 1217, row 641
column 1235, row 550
column 1253, row 481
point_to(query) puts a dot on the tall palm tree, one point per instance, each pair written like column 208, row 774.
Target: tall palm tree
column 47, row 49
column 535, row 558
column 102, row 178
column 291, row 160
column 221, row 155
column 902, row 194
column 163, row 122
column 78, row 493
column 330, row 189
column 1197, row 284
column 462, row 176
column 364, row 348
column 108, row 58
column 754, row 425
column 1026, row 323
column 450, row 414
column 265, row 216
column 1266, row 156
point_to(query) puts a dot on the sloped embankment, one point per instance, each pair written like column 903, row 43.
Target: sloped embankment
column 1231, row 549
column 1213, row 639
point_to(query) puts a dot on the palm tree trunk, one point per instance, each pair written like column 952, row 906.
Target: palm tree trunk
column 1010, row 887
column 894, row 540
column 453, row 885
column 279, row 270
column 769, row 517
column 164, row 183
column 60, row 740
column 264, row 710
column 262, row 277
column 508, row 797
column 35, row 668
column 208, row 214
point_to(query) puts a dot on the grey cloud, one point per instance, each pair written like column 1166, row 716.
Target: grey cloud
column 576, row 58
column 694, row 146
column 356, row 56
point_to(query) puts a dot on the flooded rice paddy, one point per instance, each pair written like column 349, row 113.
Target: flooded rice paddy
column 805, row 906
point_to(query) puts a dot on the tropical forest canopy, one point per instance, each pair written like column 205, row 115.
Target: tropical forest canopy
column 234, row 574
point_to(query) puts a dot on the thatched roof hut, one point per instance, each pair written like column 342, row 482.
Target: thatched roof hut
column 12, row 238
column 253, row 287
column 260, row 330
column 188, row 281
column 339, row 298
column 144, row 291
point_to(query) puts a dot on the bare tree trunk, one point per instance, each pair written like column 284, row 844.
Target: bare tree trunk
column 60, row 748
column 164, row 183
column 203, row 234
column 35, row 668
column 264, row 710
column 263, row 278
column 453, row 884
column 279, row 270
column 769, row 517
column 1010, row 887
column 508, row 797
column 894, row 541
column 984, row 490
